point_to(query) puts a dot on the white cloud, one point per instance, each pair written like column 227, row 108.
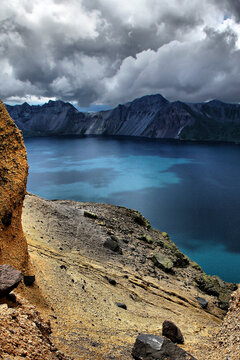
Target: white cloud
column 105, row 50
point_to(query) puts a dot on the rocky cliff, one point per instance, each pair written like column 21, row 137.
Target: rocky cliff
column 151, row 116
column 13, row 179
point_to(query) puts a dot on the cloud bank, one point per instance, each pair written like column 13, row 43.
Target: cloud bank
column 108, row 52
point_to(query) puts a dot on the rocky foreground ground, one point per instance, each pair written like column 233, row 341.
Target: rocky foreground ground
column 103, row 276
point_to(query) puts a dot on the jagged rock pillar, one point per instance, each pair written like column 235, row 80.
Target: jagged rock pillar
column 13, row 181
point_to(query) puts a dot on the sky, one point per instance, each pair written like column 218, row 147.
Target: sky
column 106, row 52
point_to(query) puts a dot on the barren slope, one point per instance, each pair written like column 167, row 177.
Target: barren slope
column 73, row 269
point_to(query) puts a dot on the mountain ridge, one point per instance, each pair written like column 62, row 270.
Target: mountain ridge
column 150, row 116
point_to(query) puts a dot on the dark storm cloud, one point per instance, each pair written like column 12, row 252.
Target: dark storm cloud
column 193, row 71
column 93, row 51
column 232, row 7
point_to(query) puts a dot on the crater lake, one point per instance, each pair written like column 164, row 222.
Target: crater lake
column 190, row 190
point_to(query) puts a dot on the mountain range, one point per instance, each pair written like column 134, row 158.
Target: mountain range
column 150, row 116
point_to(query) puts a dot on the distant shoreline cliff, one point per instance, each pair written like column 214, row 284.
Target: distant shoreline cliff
column 151, row 116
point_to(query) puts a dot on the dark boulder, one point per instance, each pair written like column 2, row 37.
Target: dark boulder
column 9, row 279
column 202, row 302
column 112, row 245
column 172, row 332
column 29, row 280
column 121, row 305
column 152, row 347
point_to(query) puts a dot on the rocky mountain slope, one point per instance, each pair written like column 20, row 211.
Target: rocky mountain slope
column 151, row 116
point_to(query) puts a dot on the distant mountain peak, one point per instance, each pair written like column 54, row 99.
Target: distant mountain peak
column 150, row 116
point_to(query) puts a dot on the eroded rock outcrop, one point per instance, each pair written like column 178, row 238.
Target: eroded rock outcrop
column 13, row 180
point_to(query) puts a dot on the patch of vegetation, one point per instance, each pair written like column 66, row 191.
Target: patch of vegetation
column 147, row 239
column 141, row 220
column 213, row 285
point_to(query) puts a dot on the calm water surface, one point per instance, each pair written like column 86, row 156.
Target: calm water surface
column 190, row 190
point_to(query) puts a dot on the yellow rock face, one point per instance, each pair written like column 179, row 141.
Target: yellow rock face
column 13, row 180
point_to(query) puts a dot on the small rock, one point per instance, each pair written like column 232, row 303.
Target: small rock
column 112, row 245
column 172, row 332
column 9, row 279
column 29, row 280
column 202, row 302
column 152, row 347
column 121, row 305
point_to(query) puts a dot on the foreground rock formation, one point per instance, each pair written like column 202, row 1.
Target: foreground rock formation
column 151, row 116
column 23, row 333
column 13, row 180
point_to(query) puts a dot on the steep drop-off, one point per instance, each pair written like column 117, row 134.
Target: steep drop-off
column 151, row 116
column 13, row 179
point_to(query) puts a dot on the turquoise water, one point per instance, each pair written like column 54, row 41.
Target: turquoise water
column 190, row 190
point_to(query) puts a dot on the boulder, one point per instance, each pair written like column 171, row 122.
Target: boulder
column 172, row 332
column 152, row 347
column 90, row 215
column 202, row 302
column 9, row 279
column 113, row 245
column 163, row 262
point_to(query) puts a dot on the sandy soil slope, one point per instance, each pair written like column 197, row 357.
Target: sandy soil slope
column 73, row 269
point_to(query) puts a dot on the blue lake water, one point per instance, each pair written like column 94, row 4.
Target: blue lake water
column 189, row 190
